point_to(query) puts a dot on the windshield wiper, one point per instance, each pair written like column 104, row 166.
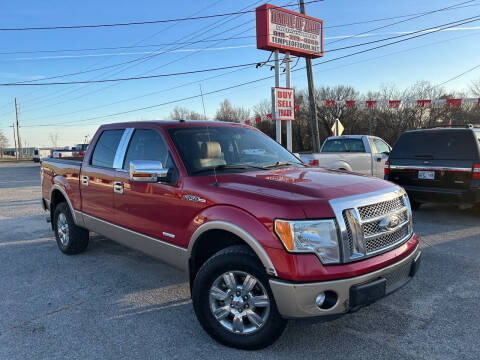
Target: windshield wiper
column 277, row 164
column 228, row 167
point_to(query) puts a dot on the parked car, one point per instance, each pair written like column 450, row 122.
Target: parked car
column 437, row 165
column 263, row 237
column 362, row 154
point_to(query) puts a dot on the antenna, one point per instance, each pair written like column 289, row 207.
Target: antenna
column 203, row 103
column 208, row 133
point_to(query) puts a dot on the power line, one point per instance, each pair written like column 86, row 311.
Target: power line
column 422, row 32
column 19, row 52
column 229, row 87
column 402, row 21
column 459, row 75
column 64, row 27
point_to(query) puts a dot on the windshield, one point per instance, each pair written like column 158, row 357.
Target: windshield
column 436, row 144
column 229, row 149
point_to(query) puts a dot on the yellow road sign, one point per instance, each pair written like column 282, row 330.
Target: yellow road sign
column 337, row 128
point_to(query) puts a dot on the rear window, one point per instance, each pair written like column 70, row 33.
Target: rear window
column 343, row 145
column 436, row 144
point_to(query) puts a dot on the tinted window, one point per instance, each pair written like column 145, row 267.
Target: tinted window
column 203, row 149
column 106, row 147
column 381, row 146
column 436, row 144
column 343, row 145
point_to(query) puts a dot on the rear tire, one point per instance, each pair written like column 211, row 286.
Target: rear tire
column 233, row 285
column 71, row 239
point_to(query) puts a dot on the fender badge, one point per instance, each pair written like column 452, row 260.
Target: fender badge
column 193, row 198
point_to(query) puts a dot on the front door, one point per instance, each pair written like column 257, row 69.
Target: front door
column 380, row 153
column 151, row 209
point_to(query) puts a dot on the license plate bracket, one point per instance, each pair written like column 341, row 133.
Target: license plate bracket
column 426, row 175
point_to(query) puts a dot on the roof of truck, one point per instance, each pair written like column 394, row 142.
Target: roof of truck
column 169, row 124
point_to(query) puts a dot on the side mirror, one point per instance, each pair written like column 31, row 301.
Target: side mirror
column 147, row 171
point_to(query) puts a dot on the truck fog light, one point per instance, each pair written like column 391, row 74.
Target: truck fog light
column 320, row 299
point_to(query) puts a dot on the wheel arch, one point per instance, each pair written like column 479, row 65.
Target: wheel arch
column 202, row 245
column 58, row 194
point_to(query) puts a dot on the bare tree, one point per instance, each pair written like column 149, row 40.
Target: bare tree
column 182, row 113
column 227, row 112
column 53, row 139
column 475, row 87
column 3, row 142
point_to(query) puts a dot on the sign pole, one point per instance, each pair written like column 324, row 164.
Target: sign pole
column 288, row 85
column 278, row 123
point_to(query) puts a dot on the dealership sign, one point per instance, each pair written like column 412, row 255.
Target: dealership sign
column 284, row 102
column 289, row 31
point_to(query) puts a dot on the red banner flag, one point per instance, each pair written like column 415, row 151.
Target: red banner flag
column 247, row 122
column 478, row 101
column 424, row 103
column 453, row 103
column 329, row 103
column 297, row 107
column 371, row 103
column 258, row 119
column 394, row 103
column 269, row 116
column 350, row 103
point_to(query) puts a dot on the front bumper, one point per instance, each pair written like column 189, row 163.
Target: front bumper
column 297, row 300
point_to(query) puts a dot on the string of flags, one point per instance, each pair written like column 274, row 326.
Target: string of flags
column 393, row 104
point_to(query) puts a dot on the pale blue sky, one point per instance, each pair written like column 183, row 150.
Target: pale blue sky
column 435, row 57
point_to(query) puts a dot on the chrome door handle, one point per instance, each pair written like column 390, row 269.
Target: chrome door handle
column 85, row 180
column 118, row 187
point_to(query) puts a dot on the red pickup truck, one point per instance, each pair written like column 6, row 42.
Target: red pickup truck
column 263, row 237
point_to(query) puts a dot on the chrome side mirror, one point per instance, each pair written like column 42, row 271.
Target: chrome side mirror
column 147, row 171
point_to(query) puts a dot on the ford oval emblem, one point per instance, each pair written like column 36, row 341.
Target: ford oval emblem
column 389, row 223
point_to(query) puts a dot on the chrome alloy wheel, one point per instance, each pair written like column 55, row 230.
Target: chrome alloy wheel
column 239, row 302
column 62, row 229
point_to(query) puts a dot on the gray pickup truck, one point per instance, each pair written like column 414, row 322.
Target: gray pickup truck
column 362, row 154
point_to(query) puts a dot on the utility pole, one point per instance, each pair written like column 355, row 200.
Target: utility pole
column 311, row 97
column 278, row 123
column 370, row 121
column 18, row 132
column 14, row 140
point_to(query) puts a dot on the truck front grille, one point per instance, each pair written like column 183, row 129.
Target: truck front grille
column 372, row 227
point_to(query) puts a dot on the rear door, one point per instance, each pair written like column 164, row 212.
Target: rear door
column 437, row 158
column 98, row 175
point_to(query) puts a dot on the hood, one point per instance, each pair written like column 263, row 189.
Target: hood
column 308, row 188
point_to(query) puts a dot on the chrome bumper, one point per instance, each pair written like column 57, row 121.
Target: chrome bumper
column 297, row 300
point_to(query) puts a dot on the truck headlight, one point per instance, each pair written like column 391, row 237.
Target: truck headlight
column 310, row 236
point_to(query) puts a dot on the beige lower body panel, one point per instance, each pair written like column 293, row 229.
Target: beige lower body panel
column 168, row 253
column 297, row 300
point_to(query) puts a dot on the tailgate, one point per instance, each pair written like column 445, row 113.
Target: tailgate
column 451, row 174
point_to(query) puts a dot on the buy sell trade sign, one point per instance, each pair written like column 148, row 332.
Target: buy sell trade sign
column 284, row 101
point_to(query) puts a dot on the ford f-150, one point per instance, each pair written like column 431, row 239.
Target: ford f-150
column 263, row 237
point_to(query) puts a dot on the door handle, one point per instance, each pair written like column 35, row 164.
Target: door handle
column 118, row 187
column 85, row 180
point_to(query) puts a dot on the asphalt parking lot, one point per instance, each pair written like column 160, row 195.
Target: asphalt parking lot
column 111, row 302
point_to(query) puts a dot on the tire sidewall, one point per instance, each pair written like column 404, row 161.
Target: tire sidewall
column 214, row 268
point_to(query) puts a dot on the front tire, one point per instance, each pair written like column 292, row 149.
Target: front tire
column 71, row 239
column 233, row 300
